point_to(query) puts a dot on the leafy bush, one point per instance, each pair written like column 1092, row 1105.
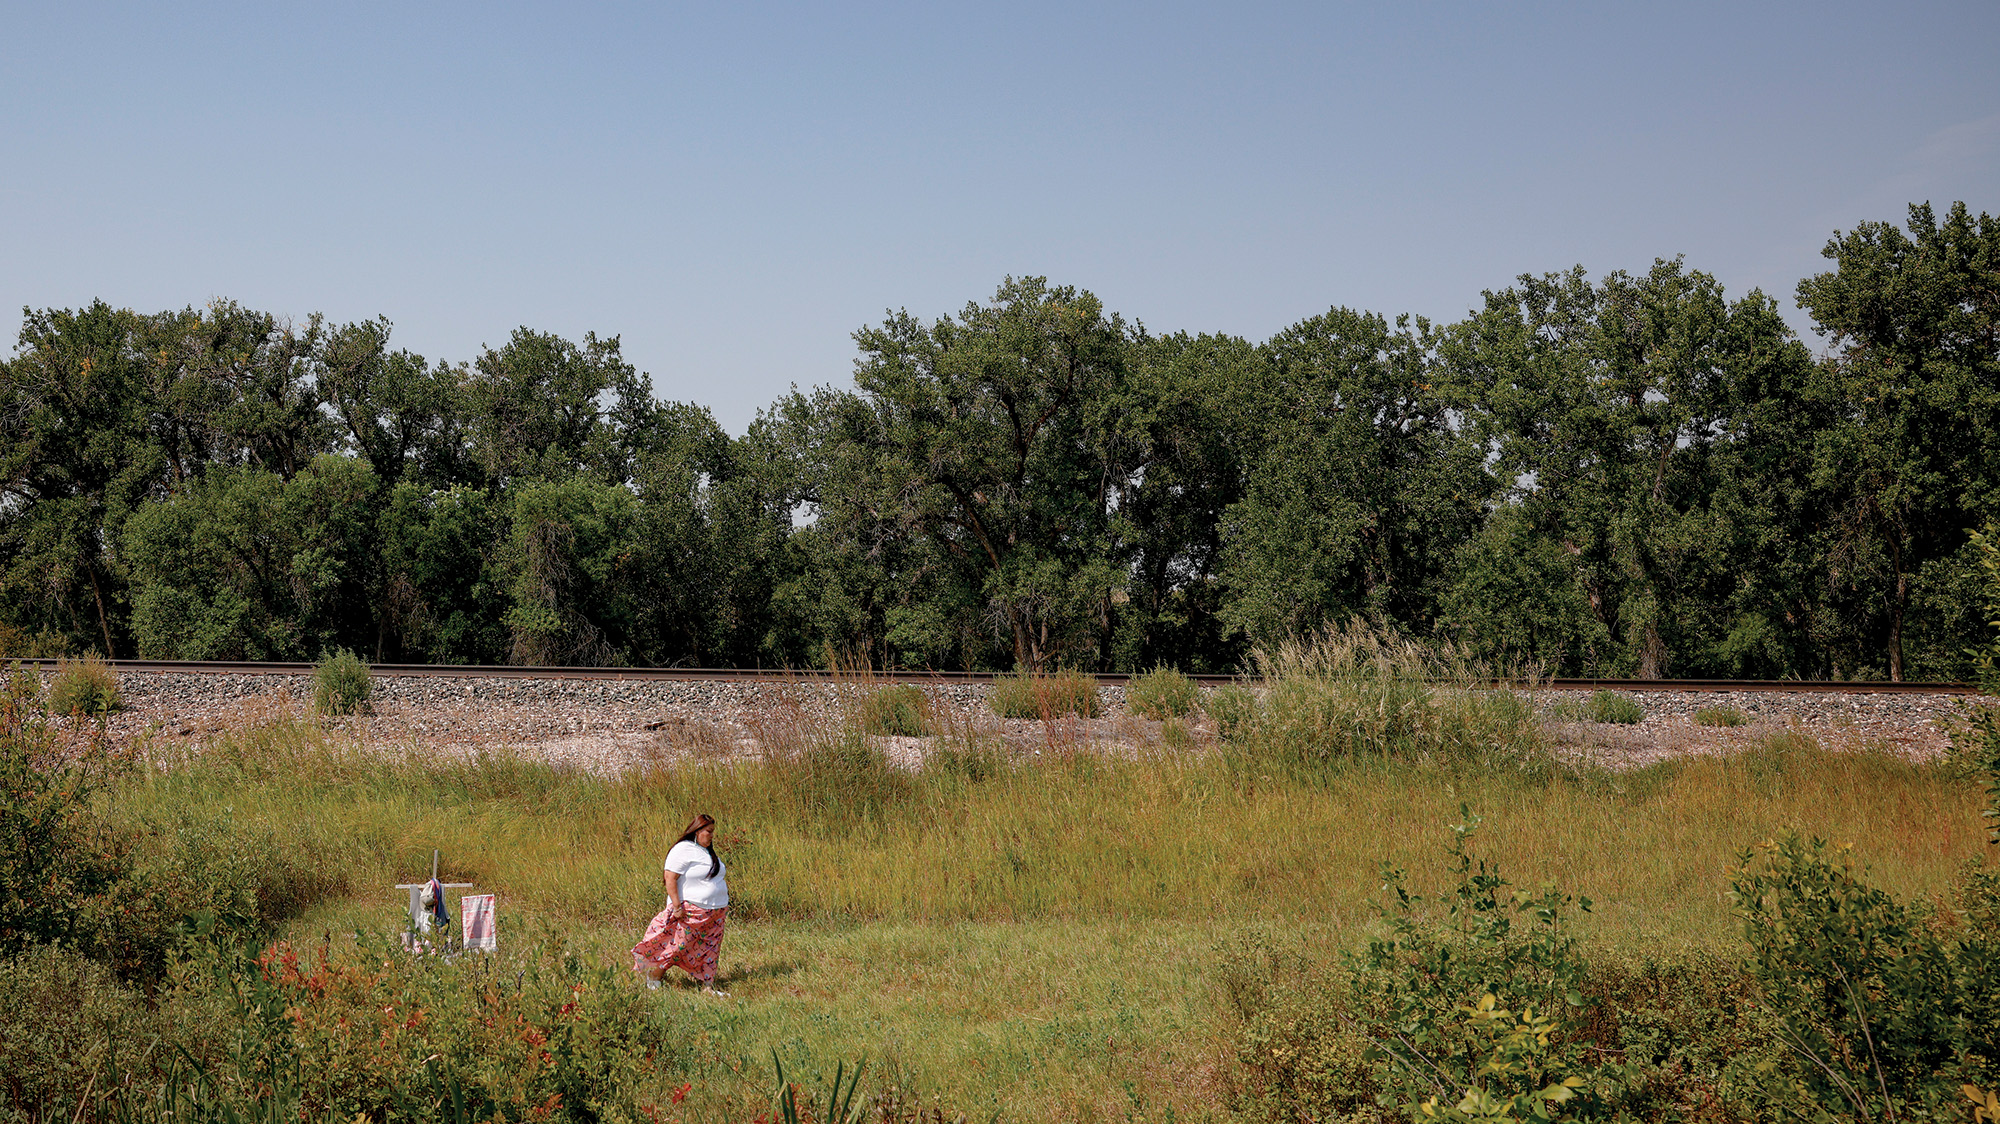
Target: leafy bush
column 1720, row 716
column 1162, row 693
column 62, row 1016
column 341, row 683
column 371, row 1033
column 896, row 711
column 1478, row 1004
column 1035, row 695
column 1883, row 1014
column 85, row 687
column 54, row 855
column 1614, row 708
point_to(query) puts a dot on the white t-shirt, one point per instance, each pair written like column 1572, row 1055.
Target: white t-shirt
column 689, row 860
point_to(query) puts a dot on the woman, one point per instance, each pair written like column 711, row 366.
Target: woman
column 688, row 933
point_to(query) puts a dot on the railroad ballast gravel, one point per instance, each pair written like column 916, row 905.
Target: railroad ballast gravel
column 616, row 724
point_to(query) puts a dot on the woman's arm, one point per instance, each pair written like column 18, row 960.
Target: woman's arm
column 672, row 881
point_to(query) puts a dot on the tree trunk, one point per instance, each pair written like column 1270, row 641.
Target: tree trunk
column 1896, row 607
column 1652, row 653
column 103, row 618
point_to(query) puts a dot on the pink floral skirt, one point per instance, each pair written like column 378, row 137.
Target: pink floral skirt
column 686, row 936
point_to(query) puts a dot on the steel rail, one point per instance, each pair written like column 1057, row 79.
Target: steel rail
column 717, row 674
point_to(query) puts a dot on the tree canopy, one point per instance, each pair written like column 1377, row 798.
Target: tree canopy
column 1634, row 475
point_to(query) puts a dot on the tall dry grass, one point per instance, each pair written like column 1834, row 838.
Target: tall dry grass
column 1043, row 938
column 1353, row 694
column 833, row 831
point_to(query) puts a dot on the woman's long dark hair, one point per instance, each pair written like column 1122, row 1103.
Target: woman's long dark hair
column 694, row 829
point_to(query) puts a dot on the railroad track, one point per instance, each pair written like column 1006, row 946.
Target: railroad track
column 471, row 671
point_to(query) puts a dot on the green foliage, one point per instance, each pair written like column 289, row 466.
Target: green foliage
column 368, row 1032
column 64, row 1020
column 1614, row 708
column 900, row 711
column 842, row 777
column 341, row 683
column 968, row 759
column 1912, row 317
column 1478, row 1004
column 1466, row 998
column 54, row 857
column 1627, row 475
column 1162, row 693
column 1360, row 488
column 1028, row 694
column 1882, row 1013
column 1354, row 694
column 87, row 687
column 1035, row 695
column 1720, row 716
column 1234, row 708
column 248, row 564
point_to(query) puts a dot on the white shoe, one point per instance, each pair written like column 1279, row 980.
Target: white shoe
column 652, row 984
column 711, row 989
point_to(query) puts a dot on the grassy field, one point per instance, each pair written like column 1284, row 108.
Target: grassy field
column 1029, row 940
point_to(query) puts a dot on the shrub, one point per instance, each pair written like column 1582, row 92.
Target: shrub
column 1162, row 693
column 61, row 1018
column 54, row 855
column 1614, row 708
column 899, row 711
column 1480, row 996
column 1883, row 1011
column 1720, row 716
column 1035, row 695
column 85, row 687
column 341, row 683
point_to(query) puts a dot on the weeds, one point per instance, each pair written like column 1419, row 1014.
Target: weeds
column 899, row 711
column 1035, row 695
column 85, row 687
column 1727, row 716
column 1614, row 709
column 1354, row 695
column 1234, row 709
column 341, row 683
column 1162, row 693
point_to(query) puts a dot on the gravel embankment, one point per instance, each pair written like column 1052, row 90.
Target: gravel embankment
column 613, row 725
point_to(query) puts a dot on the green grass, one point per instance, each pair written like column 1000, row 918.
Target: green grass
column 1614, row 708
column 1162, row 693
column 1040, row 939
column 899, row 710
column 1038, row 695
column 1720, row 716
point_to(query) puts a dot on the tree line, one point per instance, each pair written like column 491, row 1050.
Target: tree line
column 1632, row 476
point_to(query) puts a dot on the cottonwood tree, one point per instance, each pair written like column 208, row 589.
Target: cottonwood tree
column 1610, row 412
column 1361, row 487
column 1914, row 325
column 987, row 451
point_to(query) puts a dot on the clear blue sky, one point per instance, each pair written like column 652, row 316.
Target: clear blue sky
column 736, row 188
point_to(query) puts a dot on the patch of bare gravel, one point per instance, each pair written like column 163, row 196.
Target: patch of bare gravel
column 609, row 726
column 1914, row 726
